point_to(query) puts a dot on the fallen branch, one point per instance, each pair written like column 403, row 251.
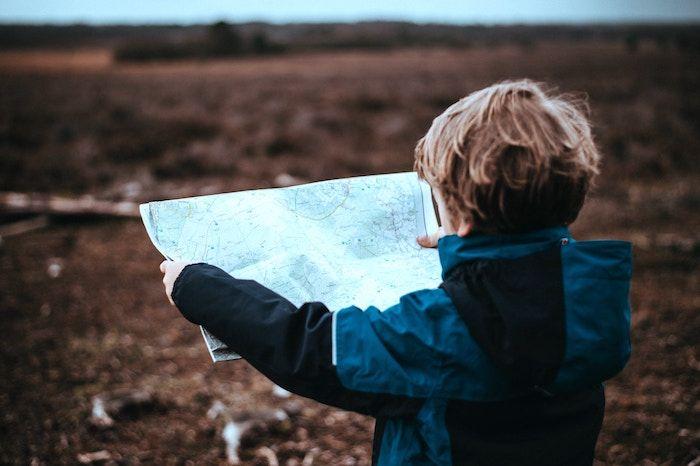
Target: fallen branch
column 24, row 226
column 47, row 204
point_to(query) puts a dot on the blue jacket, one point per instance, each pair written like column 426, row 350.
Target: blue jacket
column 502, row 364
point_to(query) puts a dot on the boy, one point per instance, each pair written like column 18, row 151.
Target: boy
column 504, row 362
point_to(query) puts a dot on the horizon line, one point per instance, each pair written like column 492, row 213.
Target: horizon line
column 663, row 21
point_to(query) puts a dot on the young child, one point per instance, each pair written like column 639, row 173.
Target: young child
column 502, row 364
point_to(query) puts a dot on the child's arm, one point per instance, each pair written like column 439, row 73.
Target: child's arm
column 292, row 346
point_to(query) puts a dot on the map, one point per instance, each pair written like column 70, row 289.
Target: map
column 343, row 242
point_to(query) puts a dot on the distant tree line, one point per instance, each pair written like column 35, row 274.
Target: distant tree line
column 48, row 36
column 221, row 39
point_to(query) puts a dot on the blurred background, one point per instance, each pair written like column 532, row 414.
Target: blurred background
column 107, row 104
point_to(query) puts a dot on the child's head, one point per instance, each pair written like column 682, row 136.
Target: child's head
column 510, row 158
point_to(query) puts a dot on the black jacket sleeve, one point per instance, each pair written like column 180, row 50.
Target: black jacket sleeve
column 291, row 346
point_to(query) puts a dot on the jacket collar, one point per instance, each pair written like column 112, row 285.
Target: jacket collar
column 454, row 249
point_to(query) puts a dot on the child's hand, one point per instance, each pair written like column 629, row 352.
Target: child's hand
column 172, row 270
column 431, row 240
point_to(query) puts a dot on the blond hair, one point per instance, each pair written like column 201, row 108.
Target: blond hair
column 510, row 157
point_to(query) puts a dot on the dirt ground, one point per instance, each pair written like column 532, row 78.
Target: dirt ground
column 81, row 302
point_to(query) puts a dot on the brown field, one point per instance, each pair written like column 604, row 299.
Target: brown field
column 75, row 123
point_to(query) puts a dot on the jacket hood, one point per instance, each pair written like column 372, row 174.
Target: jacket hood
column 593, row 282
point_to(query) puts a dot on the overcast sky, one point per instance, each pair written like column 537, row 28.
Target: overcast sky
column 452, row 11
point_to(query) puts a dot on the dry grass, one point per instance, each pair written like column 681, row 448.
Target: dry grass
column 85, row 125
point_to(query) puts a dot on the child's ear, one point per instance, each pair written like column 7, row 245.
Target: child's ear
column 464, row 229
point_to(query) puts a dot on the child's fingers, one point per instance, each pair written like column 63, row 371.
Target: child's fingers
column 431, row 240
column 428, row 241
column 171, row 270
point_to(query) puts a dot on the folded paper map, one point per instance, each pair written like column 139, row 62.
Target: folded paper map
column 343, row 242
